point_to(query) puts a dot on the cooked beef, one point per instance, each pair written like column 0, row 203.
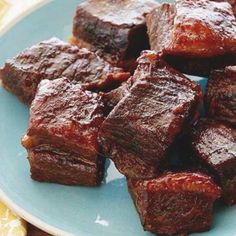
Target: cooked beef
column 62, row 135
column 232, row 2
column 194, row 35
column 139, row 131
column 200, row 66
column 175, row 203
column 116, row 28
column 52, row 59
column 214, row 145
column 221, row 95
column 112, row 98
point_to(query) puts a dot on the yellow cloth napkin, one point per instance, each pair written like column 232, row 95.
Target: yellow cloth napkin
column 10, row 224
column 3, row 8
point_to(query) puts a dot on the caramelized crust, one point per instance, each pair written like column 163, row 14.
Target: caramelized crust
column 194, row 35
column 62, row 135
column 52, row 59
column 127, row 64
column 139, row 131
column 221, row 95
column 116, row 28
column 112, row 98
column 214, row 145
column 194, row 28
column 175, row 203
column 232, row 2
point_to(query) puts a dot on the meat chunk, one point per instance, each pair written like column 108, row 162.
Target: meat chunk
column 62, row 135
column 214, row 145
column 200, row 66
column 112, row 98
column 139, row 131
column 232, row 2
column 52, row 59
column 221, row 95
column 194, row 35
column 116, row 28
column 208, row 34
column 175, row 203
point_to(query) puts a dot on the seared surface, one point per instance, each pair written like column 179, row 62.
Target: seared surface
column 62, row 135
column 140, row 130
column 214, row 144
column 120, row 12
column 177, row 203
column 52, row 59
column 112, row 98
column 194, row 28
column 232, row 2
column 194, row 35
column 115, row 27
column 221, row 95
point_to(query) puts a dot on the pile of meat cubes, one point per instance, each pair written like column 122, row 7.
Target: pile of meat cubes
column 117, row 91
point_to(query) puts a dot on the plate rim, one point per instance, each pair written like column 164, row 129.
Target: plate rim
column 3, row 196
column 30, row 218
column 21, row 16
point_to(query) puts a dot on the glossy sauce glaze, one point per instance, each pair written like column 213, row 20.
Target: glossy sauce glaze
column 139, row 131
column 126, row 13
column 52, row 59
column 65, row 111
column 232, row 2
column 221, row 95
column 63, row 129
column 116, row 29
column 193, row 28
column 175, row 203
column 112, row 98
column 214, row 145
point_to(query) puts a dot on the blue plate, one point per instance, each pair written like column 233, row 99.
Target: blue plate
column 57, row 209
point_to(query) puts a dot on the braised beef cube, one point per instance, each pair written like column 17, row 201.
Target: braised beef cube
column 52, row 59
column 62, row 135
column 214, row 144
column 175, row 203
column 200, row 66
column 128, row 65
column 194, row 35
column 112, row 98
column 116, row 28
column 94, row 73
column 221, row 95
column 182, row 32
column 139, row 131
column 232, row 2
